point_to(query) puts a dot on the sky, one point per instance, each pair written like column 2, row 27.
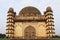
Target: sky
column 17, row 5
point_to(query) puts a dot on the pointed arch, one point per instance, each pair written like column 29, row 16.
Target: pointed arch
column 29, row 32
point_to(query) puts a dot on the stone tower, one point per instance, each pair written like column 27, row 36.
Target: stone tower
column 30, row 23
column 49, row 21
column 10, row 23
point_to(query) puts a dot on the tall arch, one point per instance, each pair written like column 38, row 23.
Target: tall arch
column 29, row 32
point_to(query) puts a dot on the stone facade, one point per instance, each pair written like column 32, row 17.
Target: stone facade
column 30, row 23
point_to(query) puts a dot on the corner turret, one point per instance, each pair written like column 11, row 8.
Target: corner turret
column 10, row 23
column 49, row 22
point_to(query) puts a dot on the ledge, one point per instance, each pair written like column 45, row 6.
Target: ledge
column 10, row 25
column 30, row 20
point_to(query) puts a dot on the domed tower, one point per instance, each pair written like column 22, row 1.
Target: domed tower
column 49, row 22
column 10, row 23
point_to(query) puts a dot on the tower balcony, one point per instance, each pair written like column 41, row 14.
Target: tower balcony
column 50, row 32
column 49, row 18
column 9, row 33
column 11, row 15
column 10, row 29
column 50, row 21
column 50, row 25
column 9, row 25
column 10, row 18
column 50, row 29
column 10, row 21
column 48, row 14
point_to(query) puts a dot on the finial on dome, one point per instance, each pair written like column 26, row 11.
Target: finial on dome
column 11, row 9
column 48, row 8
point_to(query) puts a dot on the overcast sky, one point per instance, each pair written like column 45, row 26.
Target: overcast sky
column 19, row 4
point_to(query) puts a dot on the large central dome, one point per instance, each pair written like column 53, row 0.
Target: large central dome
column 29, row 11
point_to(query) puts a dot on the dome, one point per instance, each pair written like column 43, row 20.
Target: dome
column 11, row 9
column 48, row 8
column 29, row 11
